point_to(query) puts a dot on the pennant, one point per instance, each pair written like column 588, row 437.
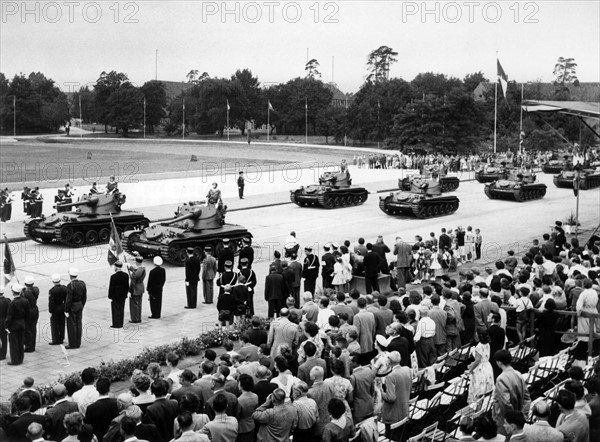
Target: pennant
column 9, row 264
column 115, row 249
column 502, row 77
column 193, row 159
column 271, row 106
column 228, row 107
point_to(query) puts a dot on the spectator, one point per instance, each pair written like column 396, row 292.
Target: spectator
column 163, row 411
column 100, row 414
column 308, row 413
column 247, row 405
column 88, row 393
column 541, row 430
column 276, row 417
column 55, row 414
column 514, row 421
column 511, row 391
column 223, row 427
column 571, row 423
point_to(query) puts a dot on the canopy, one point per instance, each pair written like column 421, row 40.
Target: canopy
column 580, row 109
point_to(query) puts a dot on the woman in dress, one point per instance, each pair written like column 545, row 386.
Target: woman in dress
column 346, row 267
column 381, row 366
column 435, row 267
column 339, row 278
column 342, row 387
column 284, row 379
column 480, row 371
column 546, row 326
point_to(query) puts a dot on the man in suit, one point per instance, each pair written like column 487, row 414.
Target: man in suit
column 127, row 430
column 364, row 321
column 248, row 351
column 156, row 282
column 4, row 303
column 440, row 317
column 240, row 184
column 511, row 391
column 17, row 431
column 263, row 387
column 55, row 414
column 321, row 393
column 100, row 413
column 137, row 289
column 163, row 411
column 276, row 418
column 282, row 331
column 444, row 241
column 288, row 279
column 396, row 394
column 31, row 293
column 274, row 291
column 310, row 270
column 231, row 407
column 372, row 266
column 327, row 262
column 226, row 254
column 56, row 307
column 362, row 380
column 397, row 342
column 246, row 252
column 187, row 377
column 15, row 323
column 548, row 245
column 497, row 337
column 482, row 310
column 208, row 273
column 404, row 253
column 297, row 269
column 192, row 276
column 312, row 360
column 223, row 426
column 118, row 288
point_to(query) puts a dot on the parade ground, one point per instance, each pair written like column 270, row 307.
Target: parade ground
column 266, row 212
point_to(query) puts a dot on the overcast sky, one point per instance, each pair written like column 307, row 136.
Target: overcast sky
column 73, row 42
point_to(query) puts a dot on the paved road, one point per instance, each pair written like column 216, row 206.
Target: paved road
column 504, row 225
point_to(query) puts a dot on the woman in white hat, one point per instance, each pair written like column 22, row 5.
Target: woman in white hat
column 156, row 281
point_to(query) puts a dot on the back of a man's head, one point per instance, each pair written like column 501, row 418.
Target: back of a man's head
column 310, row 349
column 220, row 403
column 278, row 396
column 185, row 420
column 128, row 425
column 159, row 388
column 103, row 386
column 88, row 375
column 515, row 418
column 503, row 356
column 541, row 410
column 566, row 400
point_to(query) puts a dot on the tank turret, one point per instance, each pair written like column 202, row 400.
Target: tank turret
column 93, row 205
column 334, row 190
column 519, row 185
column 447, row 183
column 588, row 178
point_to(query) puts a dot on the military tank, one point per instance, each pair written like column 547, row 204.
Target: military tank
column 197, row 224
column 554, row 166
column 490, row 173
column 588, row 179
column 334, row 190
column 423, row 201
column 88, row 224
column 447, row 183
column 519, row 185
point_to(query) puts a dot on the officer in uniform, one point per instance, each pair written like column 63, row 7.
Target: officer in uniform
column 227, row 277
column 192, row 276
column 59, row 199
column 94, row 190
column 156, row 282
column 137, row 274
column 240, row 183
column 4, row 303
column 56, row 308
column 74, row 304
column 31, row 293
column 16, row 319
column 25, row 196
column 226, row 254
column 310, row 270
column 68, row 194
column 250, row 277
column 118, row 288
column 246, row 252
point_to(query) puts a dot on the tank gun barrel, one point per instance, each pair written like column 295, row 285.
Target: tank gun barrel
column 191, row 215
column 89, row 202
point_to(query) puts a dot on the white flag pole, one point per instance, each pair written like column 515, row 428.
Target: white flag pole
column 306, row 120
column 496, row 103
column 144, row 117
column 80, row 118
column 227, row 120
column 268, row 119
column 183, row 122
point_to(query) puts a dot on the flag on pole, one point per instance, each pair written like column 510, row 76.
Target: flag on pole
column 193, row 159
column 306, row 104
column 115, row 250
column 271, row 106
column 502, row 77
column 521, row 138
column 228, row 107
column 9, row 264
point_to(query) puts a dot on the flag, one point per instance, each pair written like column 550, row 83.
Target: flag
column 115, row 250
column 521, row 138
column 193, row 159
column 271, row 106
column 502, row 77
column 228, row 107
column 9, row 264
column 306, row 104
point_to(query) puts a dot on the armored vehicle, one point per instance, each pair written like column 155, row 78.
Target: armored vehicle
column 519, row 185
column 88, row 224
column 447, row 183
column 489, row 173
column 554, row 166
column 588, row 179
column 197, row 224
column 423, row 201
column 334, row 190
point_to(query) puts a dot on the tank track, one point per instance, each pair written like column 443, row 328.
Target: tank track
column 552, row 169
column 422, row 209
column 342, row 199
column 175, row 252
column 523, row 194
column 487, row 178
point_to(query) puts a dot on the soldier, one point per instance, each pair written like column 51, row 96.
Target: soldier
column 250, row 277
column 15, row 324
column 38, row 203
column 118, row 288
column 31, row 294
column 246, row 252
column 68, row 194
column 74, row 304
column 209, row 271
column 56, row 307
column 192, row 276
column 327, row 261
column 310, row 271
column 25, row 198
column 227, row 277
column 59, row 199
column 94, row 190
column 226, row 254
column 4, row 303
column 136, row 288
column 343, row 166
column 6, row 204
column 214, row 195
column 112, row 186
column 297, row 268
column 156, row 282
column 240, row 183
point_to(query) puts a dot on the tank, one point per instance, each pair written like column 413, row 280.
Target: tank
column 588, row 179
column 88, row 224
column 334, row 190
column 554, row 166
column 197, row 224
column 447, row 183
column 423, row 201
column 489, row 173
column 519, row 185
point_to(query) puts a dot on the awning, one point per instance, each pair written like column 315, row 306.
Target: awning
column 580, row 109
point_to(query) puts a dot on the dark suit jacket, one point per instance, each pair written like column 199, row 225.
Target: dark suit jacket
column 232, row 404
column 246, row 252
column 56, row 300
column 400, row 344
column 163, row 413
column 263, row 389
column 54, row 416
column 410, row 338
column 288, row 279
column 99, row 415
column 372, row 264
column 148, row 432
column 156, row 280
column 225, row 255
column 482, row 310
column 17, row 431
column 274, row 287
column 118, row 287
column 404, row 252
column 444, row 242
column 192, row 269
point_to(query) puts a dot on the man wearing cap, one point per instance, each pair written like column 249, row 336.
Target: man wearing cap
column 15, row 324
column 192, row 276
column 156, row 282
column 136, row 288
column 250, row 277
column 310, row 270
column 56, row 307
column 4, row 303
column 226, row 254
column 74, row 304
column 55, row 414
column 274, row 291
column 327, row 262
column 112, row 186
column 31, row 293
column 240, row 183
column 246, row 252
column 227, row 277
column 118, row 288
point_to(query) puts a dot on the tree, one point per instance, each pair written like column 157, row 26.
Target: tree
column 156, row 102
column 379, row 62
column 192, row 75
column 430, row 84
column 565, row 72
column 126, row 108
column 312, row 68
column 106, row 84
column 471, row 81
column 251, row 105
column 88, row 108
column 332, row 122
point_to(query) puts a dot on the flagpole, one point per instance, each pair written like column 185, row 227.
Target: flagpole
column 227, row 120
column 80, row 117
column 306, row 119
column 268, row 119
column 144, row 117
column 183, row 122
column 495, row 112
column 521, row 123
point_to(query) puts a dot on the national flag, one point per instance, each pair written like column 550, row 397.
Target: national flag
column 306, row 104
column 228, row 107
column 502, row 77
column 9, row 264
column 193, row 159
column 271, row 106
column 115, row 250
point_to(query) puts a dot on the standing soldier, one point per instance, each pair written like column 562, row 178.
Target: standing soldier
column 56, row 307
column 310, row 270
column 15, row 324
column 192, row 276
column 31, row 293
column 4, row 303
column 25, row 198
column 240, row 183
column 214, row 195
column 38, row 203
column 74, row 304
column 250, row 277
column 246, row 252
column 6, row 206
column 209, row 271
column 227, row 277
column 118, row 288
column 156, row 282
column 136, row 288
column 226, row 254
column 68, row 194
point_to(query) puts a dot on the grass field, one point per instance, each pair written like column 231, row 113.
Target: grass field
column 51, row 162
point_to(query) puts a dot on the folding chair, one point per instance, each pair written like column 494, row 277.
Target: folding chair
column 454, row 393
column 355, row 437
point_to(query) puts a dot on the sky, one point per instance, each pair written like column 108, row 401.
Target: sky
column 72, row 42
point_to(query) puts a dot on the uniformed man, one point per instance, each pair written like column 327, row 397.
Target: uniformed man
column 226, row 254
column 327, row 262
column 38, row 203
column 16, row 320
column 74, row 304
column 240, row 183
column 68, row 194
column 56, row 307
column 25, row 197
column 59, row 199
column 297, row 268
column 4, row 303
column 208, row 273
column 156, row 282
column 31, row 294
column 112, row 186
column 246, row 252
column 192, row 276
column 137, row 274
column 118, row 289
column 343, row 166
column 250, row 277
column 214, row 195
column 310, row 270
column 6, row 205
column 227, row 277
